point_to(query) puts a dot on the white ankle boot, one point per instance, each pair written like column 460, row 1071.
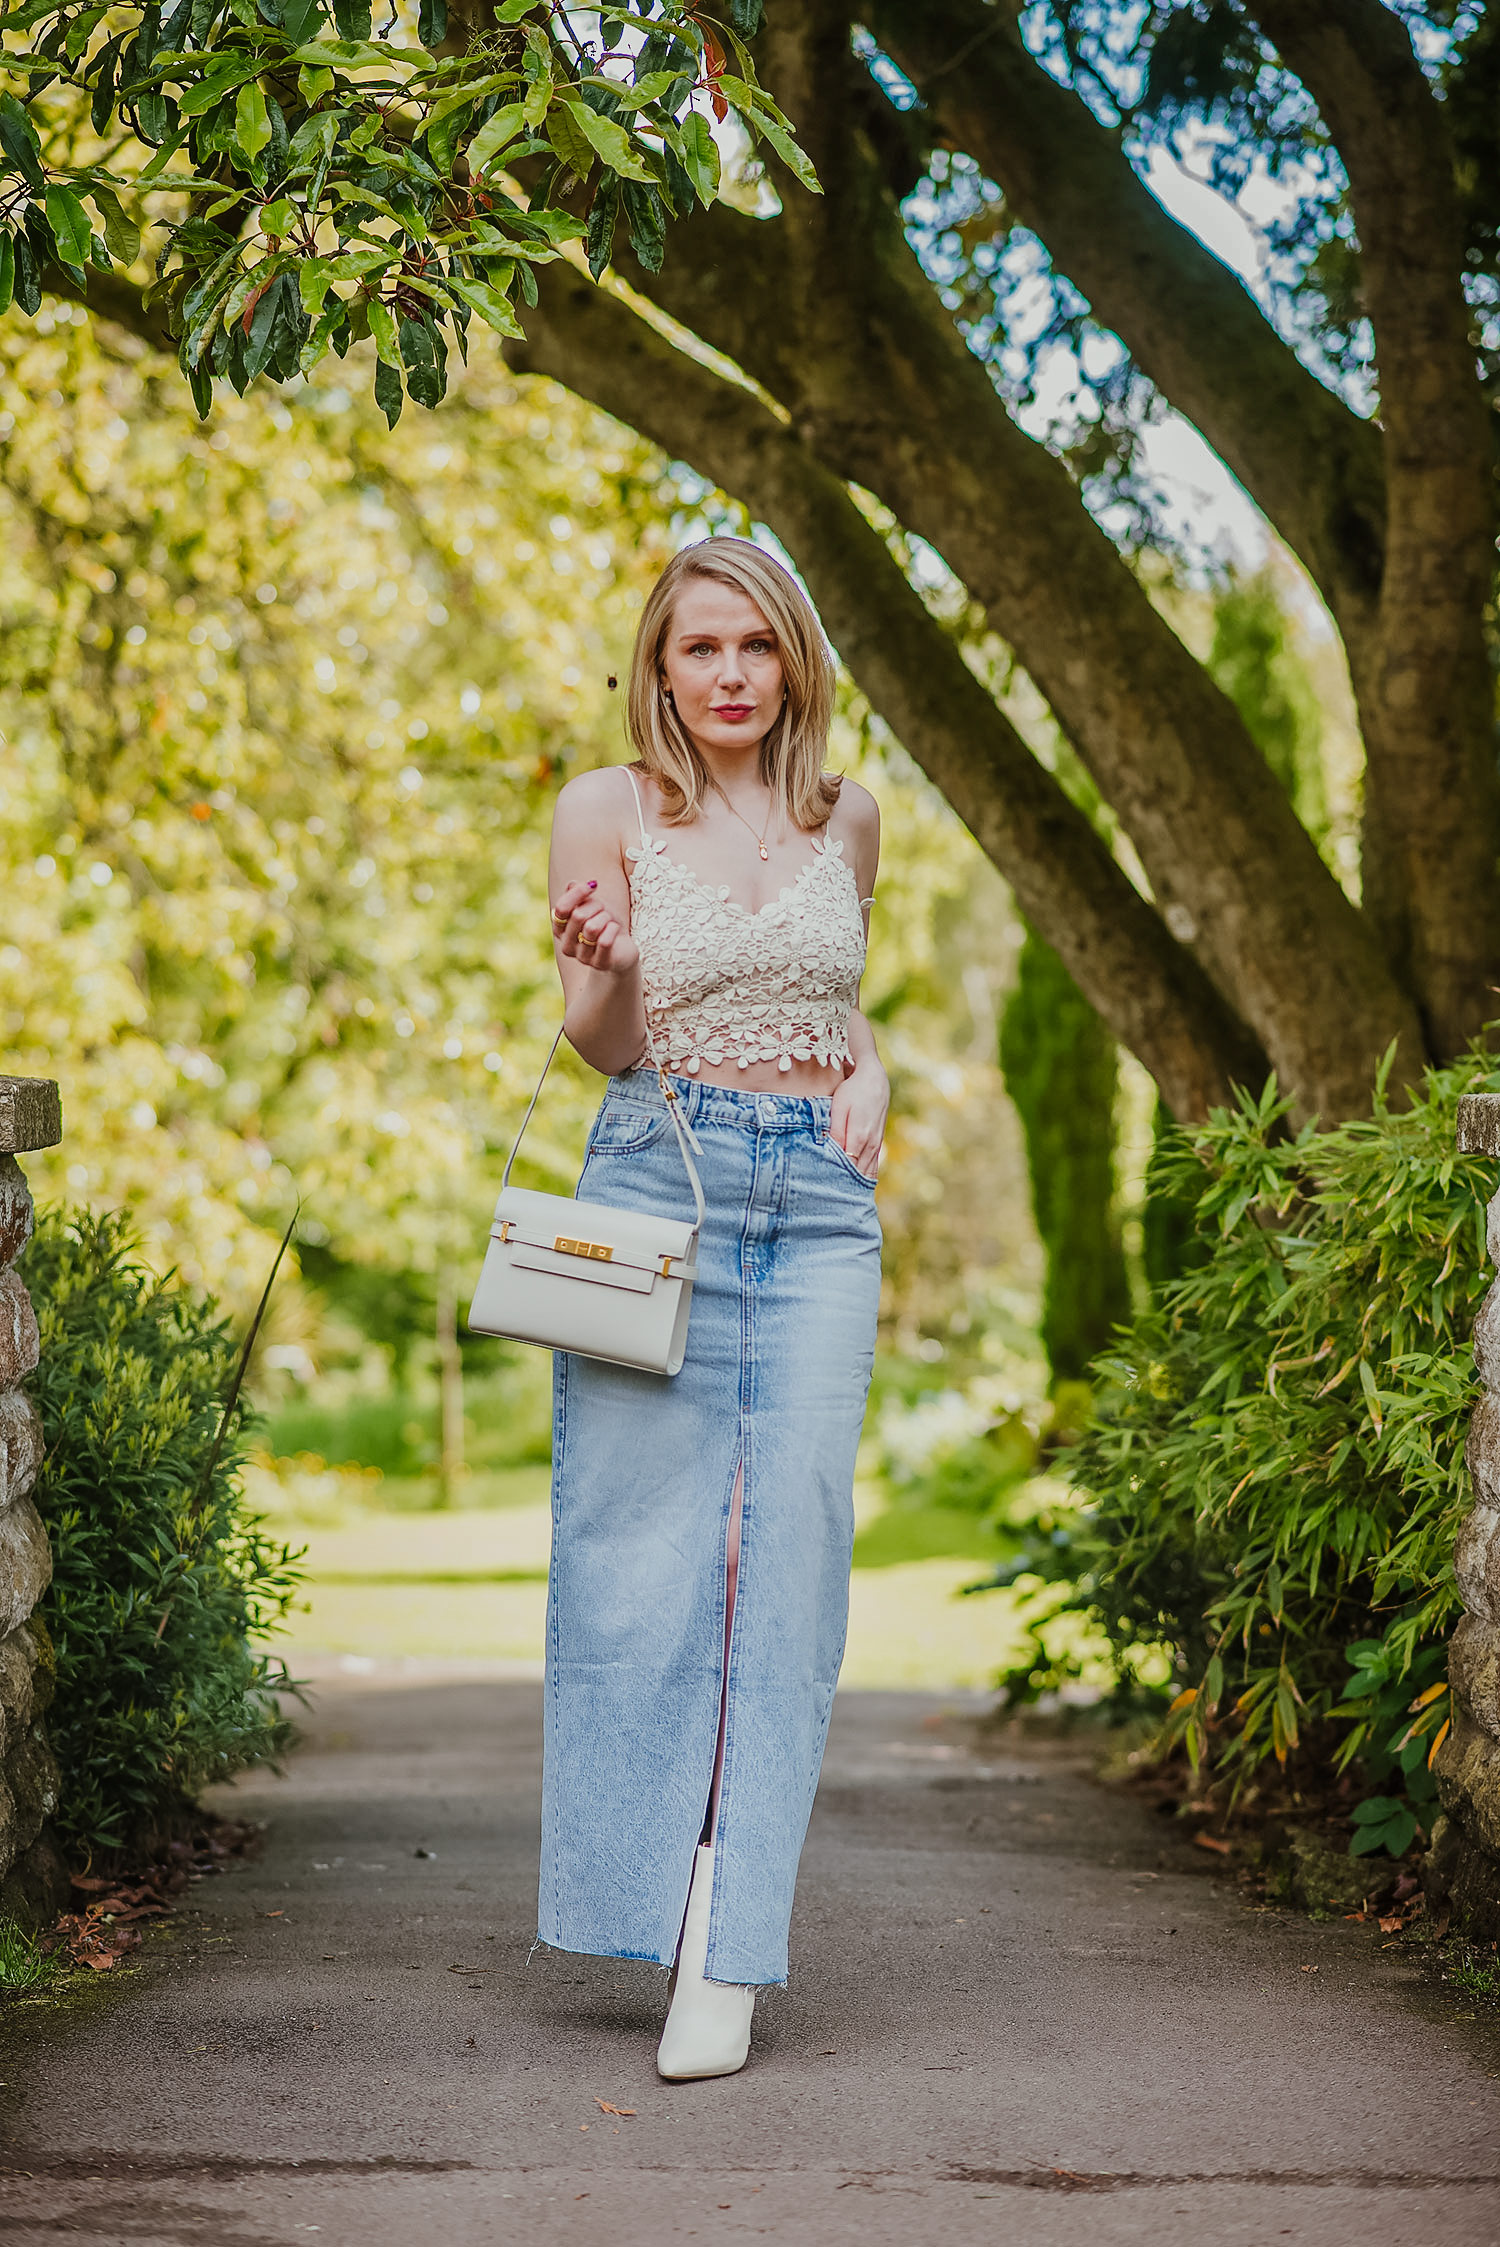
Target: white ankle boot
column 708, row 2025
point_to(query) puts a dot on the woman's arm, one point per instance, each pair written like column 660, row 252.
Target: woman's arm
column 857, row 1119
column 597, row 957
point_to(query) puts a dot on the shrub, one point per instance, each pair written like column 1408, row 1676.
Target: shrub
column 1274, row 1476
column 162, row 1583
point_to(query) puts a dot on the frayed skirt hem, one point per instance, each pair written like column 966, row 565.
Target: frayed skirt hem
column 642, row 1958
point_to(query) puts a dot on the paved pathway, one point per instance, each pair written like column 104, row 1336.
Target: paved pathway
column 1021, row 2011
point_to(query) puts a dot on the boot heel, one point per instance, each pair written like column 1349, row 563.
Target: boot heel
column 708, row 2024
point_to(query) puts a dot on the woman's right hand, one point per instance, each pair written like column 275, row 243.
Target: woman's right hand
column 587, row 931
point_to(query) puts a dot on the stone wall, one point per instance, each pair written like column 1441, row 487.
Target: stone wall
column 1464, row 1867
column 32, row 1879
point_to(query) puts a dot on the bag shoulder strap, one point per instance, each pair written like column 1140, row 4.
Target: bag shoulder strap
column 687, row 1139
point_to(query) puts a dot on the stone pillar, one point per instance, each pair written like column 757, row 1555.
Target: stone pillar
column 32, row 1879
column 1464, row 1866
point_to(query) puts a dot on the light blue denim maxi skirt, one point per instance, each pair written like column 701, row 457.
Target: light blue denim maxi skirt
column 780, row 1345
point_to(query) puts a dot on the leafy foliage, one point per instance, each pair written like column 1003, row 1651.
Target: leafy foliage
column 335, row 185
column 24, row 1965
column 162, row 1584
column 1275, row 1474
column 286, row 702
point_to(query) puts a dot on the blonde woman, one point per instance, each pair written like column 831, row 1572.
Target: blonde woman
column 709, row 914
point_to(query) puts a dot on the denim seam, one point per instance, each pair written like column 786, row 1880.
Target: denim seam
column 743, row 1468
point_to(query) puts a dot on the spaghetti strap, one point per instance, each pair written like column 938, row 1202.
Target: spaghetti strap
column 640, row 809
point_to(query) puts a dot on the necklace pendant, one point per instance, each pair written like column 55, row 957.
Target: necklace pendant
column 765, row 854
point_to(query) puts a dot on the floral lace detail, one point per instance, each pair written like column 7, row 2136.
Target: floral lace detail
column 724, row 984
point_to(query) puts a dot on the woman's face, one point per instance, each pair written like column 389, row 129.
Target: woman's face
column 722, row 662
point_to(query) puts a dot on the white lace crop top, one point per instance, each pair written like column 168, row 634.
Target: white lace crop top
column 724, row 984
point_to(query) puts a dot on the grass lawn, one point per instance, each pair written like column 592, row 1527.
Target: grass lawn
column 471, row 1583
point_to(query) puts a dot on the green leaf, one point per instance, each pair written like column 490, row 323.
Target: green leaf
column 557, row 226
column 511, row 11
column 477, row 90
column 212, row 88
column 164, row 154
column 313, row 83
column 388, row 390
column 630, row 98
column 7, row 270
column 121, row 234
column 19, row 141
column 359, row 54
column 763, row 118
column 316, row 346
column 609, row 141
column 491, row 306
column 313, row 140
column 81, row 30
column 504, row 127
column 566, row 134
column 69, row 222
column 277, row 218
column 1372, row 1395
column 383, row 329
column 1400, row 1832
column 314, row 280
column 252, row 123
column 353, row 265
column 700, row 155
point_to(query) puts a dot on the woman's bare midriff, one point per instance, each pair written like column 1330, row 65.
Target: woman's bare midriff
column 805, row 1080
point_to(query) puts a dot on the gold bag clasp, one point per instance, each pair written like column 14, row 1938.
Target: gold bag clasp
column 599, row 1250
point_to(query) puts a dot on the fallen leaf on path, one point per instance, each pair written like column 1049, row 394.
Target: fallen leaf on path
column 605, row 2108
column 1211, row 1841
column 470, row 1969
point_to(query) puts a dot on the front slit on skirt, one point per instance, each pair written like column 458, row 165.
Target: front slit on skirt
column 641, row 1658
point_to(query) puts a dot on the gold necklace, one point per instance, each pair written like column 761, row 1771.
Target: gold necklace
column 760, row 839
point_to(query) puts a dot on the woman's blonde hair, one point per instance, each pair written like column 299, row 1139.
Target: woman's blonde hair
column 791, row 755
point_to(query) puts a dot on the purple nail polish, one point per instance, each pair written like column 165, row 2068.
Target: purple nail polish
column 593, row 885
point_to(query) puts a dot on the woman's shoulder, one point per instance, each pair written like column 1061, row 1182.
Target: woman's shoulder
column 856, row 815
column 596, row 799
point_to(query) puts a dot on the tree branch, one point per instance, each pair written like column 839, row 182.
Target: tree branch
column 1148, row 988
column 109, row 296
column 883, row 391
column 1432, row 786
column 1190, row 324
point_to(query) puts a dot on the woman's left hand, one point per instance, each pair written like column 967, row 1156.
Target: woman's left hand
column 857, row 1115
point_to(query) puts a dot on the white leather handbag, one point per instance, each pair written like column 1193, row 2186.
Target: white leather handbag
column 603, row 1283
